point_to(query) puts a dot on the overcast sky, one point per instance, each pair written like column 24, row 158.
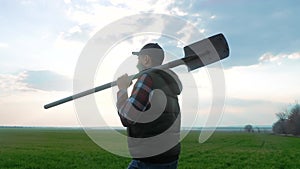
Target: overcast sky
column 41, row 41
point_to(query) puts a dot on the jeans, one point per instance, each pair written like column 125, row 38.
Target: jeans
column 136, row 164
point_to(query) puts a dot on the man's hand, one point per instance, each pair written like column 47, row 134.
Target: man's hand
column 123, row 82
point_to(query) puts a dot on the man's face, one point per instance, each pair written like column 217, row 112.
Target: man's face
column 140, row 66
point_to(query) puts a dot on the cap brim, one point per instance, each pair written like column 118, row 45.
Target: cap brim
column 136, row 53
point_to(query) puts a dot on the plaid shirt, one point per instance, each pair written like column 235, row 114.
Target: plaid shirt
column 139, row 99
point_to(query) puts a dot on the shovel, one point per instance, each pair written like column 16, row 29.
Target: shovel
column 196, row 55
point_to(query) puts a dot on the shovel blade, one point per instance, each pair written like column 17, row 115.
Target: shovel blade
column 206, row 51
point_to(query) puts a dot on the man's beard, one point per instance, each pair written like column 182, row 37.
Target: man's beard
column 140, row 67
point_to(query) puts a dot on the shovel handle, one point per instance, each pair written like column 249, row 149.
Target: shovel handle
column 84, row 93
column 108, row 85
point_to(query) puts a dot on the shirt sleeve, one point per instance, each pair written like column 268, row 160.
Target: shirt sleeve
column 139, row 99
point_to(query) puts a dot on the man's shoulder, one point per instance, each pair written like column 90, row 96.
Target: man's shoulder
column 145, row 76
column 144, row 79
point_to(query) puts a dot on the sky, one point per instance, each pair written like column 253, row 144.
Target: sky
column 41, row 42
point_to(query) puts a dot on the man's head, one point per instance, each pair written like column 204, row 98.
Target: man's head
column 149, row 56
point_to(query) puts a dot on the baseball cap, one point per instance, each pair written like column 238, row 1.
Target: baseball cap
column 153, row 50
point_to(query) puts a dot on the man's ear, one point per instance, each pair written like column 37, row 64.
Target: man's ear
column 147, row 60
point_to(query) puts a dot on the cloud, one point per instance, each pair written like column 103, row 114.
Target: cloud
column 256, row 92
column 3, row 45
column 67, row 1
column 269, row 57
column 89, row 18
column 27, row 2
column 47, row 80
column 95, row 15
column 26, row 109
column 213, row 17
column 12, row 83
column 34, row 80
column 247, row 111
column 266, row 80
column 78, row 33
column 147, row 6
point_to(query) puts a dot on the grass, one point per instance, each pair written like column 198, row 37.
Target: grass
column 241, row 150
column 49, row 148
column 54, row 148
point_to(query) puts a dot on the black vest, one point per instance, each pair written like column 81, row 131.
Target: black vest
column 167, row 83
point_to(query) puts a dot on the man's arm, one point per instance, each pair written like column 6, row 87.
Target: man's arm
column 139, row 98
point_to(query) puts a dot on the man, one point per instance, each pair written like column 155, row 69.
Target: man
column 153, row 141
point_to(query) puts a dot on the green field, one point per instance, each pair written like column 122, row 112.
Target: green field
column 67, row 149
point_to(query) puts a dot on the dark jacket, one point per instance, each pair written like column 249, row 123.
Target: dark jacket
column 162, row 132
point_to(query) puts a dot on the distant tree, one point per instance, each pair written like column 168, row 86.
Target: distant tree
column 248, row 128
column 280, row 127
column 282, row 115
column 288, row 121
column 294, row 120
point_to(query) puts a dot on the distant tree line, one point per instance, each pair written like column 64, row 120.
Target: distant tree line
column 249, row 128
column 288, row 121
